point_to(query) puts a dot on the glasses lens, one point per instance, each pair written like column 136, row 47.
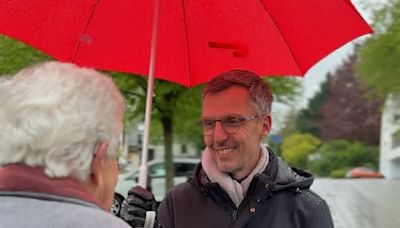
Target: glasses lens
column 231, row 124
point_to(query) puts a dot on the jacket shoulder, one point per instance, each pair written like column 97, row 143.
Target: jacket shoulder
column 184, row 198
column 314, row 209
column 45, row 213
column 181, row 191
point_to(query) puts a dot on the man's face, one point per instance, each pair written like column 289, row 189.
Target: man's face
column 236, row 153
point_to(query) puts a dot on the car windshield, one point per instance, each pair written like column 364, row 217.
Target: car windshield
column 157, row 170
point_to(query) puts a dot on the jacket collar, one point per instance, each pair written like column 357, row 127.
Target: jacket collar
column 22, row 178
column 277, row 173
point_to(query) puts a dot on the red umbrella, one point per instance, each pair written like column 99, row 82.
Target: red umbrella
column 196, row 39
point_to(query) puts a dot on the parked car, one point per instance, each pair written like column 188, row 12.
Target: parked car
column 363, row 172
column 184, row 168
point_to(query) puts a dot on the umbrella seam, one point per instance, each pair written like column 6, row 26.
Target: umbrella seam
column 78, row 44
column 188, row 71
column 283, row 37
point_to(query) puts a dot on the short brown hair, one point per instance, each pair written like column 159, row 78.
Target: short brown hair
column 258, row 89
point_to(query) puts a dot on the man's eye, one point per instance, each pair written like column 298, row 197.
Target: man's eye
column 232, row 121
column 208, row 123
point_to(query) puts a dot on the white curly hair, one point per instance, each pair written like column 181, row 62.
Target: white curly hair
column 54, row 115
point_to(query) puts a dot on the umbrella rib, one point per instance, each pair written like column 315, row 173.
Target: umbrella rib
column 280, row 33
column 188, row 71
column 81, row 36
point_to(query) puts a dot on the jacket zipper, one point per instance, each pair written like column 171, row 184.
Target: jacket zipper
column 234, row 214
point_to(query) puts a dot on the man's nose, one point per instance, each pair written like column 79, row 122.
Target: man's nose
column 219, row 132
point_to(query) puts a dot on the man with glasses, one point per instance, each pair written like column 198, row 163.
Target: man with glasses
column 240, row 182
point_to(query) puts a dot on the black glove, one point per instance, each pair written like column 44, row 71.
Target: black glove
column 134, row 207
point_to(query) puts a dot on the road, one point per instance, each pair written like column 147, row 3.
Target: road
column 361, row 203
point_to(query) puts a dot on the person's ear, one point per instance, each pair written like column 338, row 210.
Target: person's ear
column 266, row 127
column 97, row 164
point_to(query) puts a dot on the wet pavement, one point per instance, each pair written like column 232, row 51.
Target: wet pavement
column 361, row 203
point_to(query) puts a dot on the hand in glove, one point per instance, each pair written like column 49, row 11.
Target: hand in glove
column 134, row 207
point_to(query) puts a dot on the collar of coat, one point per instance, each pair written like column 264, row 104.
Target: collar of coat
column 278, row 175
column 25, row 179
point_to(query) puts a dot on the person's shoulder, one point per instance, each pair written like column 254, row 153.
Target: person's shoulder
column 181, row 193
column 90, row 214
column 79, row 213
column 62, row 212
column 108, row 220
column 315, row 207
column 308, row 207
column 176, row 200
column 309, row 198
column 182, row 189
column 93, row 217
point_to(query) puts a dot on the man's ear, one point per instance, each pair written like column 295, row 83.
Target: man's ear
column 267, row 122
column 97, row 163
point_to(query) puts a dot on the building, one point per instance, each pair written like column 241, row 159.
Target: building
column 131, row 148
column 390, row 138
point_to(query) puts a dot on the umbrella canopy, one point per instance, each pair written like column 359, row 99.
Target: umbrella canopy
column 196, row 39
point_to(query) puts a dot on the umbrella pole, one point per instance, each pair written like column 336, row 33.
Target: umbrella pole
column 149, row 97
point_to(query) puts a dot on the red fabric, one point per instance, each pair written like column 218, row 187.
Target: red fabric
column 21, row 178
column 197, row 39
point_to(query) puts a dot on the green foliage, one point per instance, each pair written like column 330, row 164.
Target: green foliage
column 306, row 120
column 187, row 127
column 379, row 67
column 342, row 154
column 15, row 55
column 339, row 173
column 297, row 148
column 285, row 89
column 128, row 85
column 290, row 123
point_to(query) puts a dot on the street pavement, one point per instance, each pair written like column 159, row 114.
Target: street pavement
column 361, row 203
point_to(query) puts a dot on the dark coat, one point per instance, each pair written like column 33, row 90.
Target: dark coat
column 277, row 198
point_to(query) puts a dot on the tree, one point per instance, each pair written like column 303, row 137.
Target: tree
column 379, row 66
column 308, row 117
column 347, row 111
column 286, row 90
column 173, row 105
column 297, row 148
column 343, row 155
column 290, row 123
column 15, row 55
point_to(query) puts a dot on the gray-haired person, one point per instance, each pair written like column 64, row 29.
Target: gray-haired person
column 240, row 182
column 60, row 128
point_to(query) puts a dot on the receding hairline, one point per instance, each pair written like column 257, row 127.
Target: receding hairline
column 258, row 90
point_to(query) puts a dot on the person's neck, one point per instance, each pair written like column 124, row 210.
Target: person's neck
column 240, row 177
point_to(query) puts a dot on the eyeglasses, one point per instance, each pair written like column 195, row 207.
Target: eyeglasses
column 231, row 123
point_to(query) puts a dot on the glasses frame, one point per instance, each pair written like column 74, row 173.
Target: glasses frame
column 242, row 120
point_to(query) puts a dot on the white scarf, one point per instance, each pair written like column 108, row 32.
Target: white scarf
column 235, row 190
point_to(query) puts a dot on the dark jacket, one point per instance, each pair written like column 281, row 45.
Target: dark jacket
column 277, row 198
